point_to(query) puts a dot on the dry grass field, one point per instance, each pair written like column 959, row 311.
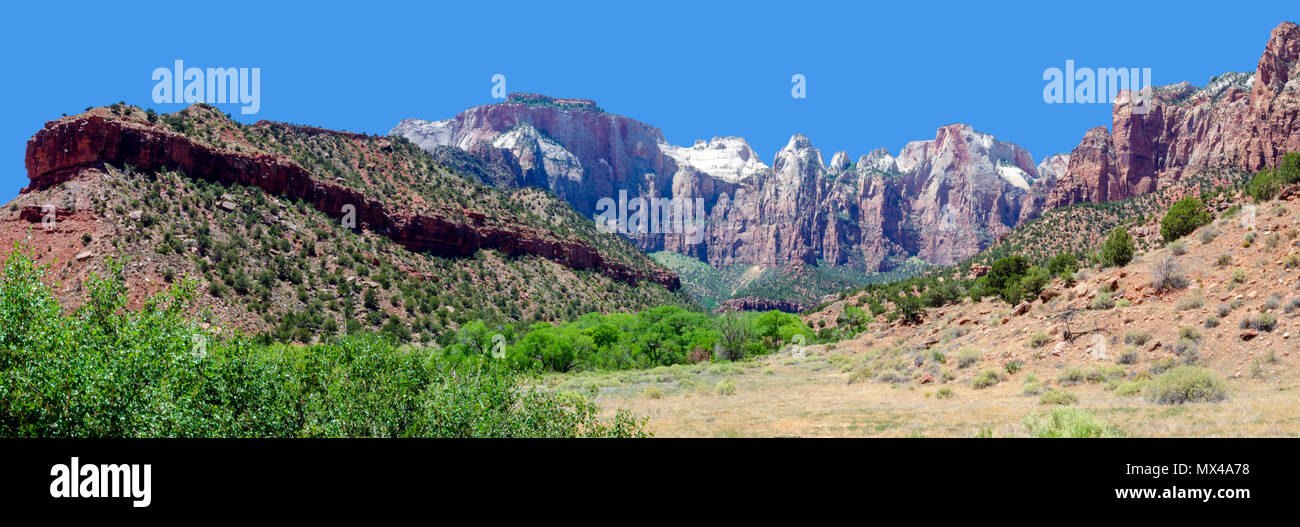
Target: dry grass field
column 921, row 381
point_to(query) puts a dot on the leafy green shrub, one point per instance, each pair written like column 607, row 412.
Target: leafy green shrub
column 106, row 371
column 1183, row 217
column 1060, row 397
column 1187, row 384
column 1068, row 422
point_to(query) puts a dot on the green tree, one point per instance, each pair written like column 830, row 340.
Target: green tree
column 1263, row 186
column 1288, row 171
column 1183, row 218
column 1063, row 263
column 1118, row 249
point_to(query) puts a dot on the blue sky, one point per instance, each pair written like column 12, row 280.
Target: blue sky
column 877, row 75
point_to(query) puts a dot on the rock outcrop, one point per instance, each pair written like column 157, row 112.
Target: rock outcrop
column 943, row 200
column 63, row 148
column 1237, row 120
column 750, row 303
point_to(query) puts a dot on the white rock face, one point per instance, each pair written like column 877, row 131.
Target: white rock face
column 879, row 159
column 556, row 161
column 1054, row 166
column 1014, row 175
column 839, row 161
column 727, row 158
column 798, row 161
column 425, row 134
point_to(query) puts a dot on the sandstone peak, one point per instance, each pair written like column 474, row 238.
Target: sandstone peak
column 839, row 161
column 798, row 142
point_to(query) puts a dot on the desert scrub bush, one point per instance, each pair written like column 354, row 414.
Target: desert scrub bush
column 652, row 392
column 968, row 357
column 1248, row 239
column 1292, row 305
column 1185, row 384
column 862, row 374
column 1223, row 309
column 1292, row 260
column 955, row 333
column 1122, row 303
column 1208, row 235
column 1261, row 322
column 1184, row 347
column 1105, row 372
column 1137, row 337
column 1129, row 388
column 1068, row 422
column 1014, row 366
column 1272, row 303
column 1072, row 375
column 727, row 387
column 1189, row 332
column 1191, row 301
column 1162, row 365
column 987, row 378
column 1272, row 240
column 944, row 392
column 1211, row 322
column 1128, row 355
column 1178, row 248
column 1103, row 301
column 893, row 376
column 1223, row 260
column 1038, row 340
column 1060, row 397
column 1239, row 276
column 1165, row 274
column 1031, row 387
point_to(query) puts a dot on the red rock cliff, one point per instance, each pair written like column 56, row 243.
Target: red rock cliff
column 1237, row 120
column 60, row 150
